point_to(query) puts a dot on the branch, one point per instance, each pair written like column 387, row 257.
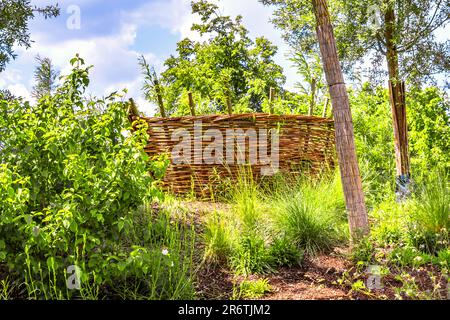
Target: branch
column 425, row 30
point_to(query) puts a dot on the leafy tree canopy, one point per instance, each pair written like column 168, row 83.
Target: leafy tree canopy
column 227, row 65
column 360, row 28
column 14, row 18
column 45, row 76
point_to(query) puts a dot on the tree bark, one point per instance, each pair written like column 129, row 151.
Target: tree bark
column 345, row 143
column 398, row 106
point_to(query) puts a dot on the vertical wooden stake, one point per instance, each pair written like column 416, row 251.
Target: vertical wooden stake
column 162, row 111
column 325, row 108
column 312, row 104
column 272, row 99
column 229, row 105
column 191, row 104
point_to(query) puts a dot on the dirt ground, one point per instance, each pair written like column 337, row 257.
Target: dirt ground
column 325, row 277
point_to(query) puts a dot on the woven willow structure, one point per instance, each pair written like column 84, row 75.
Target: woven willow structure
column 306, row 143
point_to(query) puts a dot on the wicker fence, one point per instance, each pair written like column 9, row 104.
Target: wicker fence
column 216, row 148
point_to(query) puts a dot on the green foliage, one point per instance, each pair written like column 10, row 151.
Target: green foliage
column 284, row 252
column 14, row 18
column 391, row 227
column 45, row 77
column 359, row 28
column 217, row 239
column 251, row 252
column 430, row 225
column 73, row 178
column 311, row 214
column 429, row 129
column 374, row 141
column 246, row 237
column 228, row 65
column 160, row 265
column 428, row 124
column 252, row 289
column 414, row 233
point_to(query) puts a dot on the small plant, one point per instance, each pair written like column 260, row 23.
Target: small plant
column 251, row 255
column 252, row 289
column 363, row 251
column 283, row 252
column 430, row 225
column 5, row 289
column 311, row 230
column 217, row 239
column 411, row 290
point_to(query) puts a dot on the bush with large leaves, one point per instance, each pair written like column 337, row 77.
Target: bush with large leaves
column 72, row 178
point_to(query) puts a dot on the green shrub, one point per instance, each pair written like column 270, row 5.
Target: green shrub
column 251, row 255
column 312, row 215
column 363, row 251
column 391, row 220
column 408, row 256
column 430, row 225
column 252, row 289
column 73, row 178
column 307, row 229
column 284, row 252
column 443, row 259
column 218, row 239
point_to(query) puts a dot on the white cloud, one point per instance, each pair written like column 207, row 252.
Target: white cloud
column 175, row 15
column 20, row 90
column 114, row 60
column 115, row 64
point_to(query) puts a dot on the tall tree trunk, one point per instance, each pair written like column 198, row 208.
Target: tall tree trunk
column 398, row 106
column 345, row 143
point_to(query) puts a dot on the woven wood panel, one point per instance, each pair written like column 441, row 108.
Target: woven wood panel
column 305, row 144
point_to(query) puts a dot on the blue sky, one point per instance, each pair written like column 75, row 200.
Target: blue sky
column 113, row 33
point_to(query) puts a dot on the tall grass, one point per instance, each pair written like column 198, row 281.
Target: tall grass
column 416, row 231
column 250, row 254
column 430, row 225
column 276, row 225
column 311, row 213
column 217, row 238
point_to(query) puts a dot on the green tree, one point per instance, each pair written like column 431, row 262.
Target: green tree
column 227, row 68
column 73, row 175
column 429, row 125
column 14, row 18
column 153, row 91
column 429, row 133
column 311, row 71
column 400, row 32
column 45, row 76
column 5, row 94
